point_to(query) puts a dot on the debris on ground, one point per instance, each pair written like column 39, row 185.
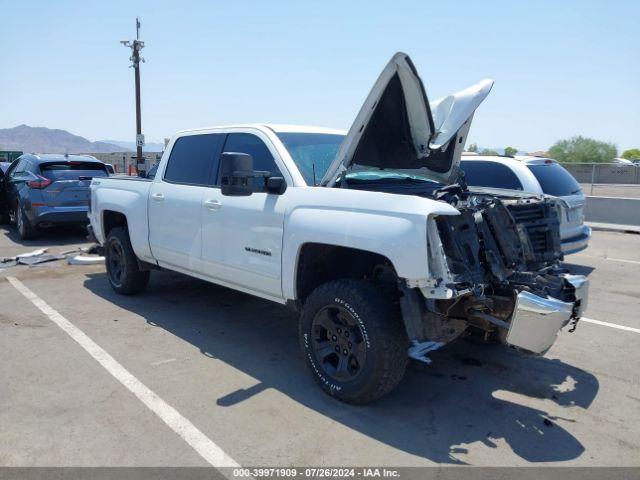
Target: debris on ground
column 8, row 262
column 78, row 256
column 36, row 260
column 35, row 253
column 85, row 259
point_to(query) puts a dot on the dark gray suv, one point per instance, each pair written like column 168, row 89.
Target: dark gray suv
column 45, row 190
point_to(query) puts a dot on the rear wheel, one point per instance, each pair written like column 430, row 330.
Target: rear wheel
column 25, row 230
column 123, row 271
column 353, row 340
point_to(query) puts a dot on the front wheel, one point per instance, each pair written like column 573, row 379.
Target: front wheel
column 123, row 271
column 353, row 340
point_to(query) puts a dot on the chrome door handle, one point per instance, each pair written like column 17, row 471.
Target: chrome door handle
column 213, row 204
column 158, row 197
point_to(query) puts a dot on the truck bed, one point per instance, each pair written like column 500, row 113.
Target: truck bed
column 122, row 196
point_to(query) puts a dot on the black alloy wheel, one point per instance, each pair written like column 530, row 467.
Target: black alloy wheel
column 115, row 263
column 338, row 343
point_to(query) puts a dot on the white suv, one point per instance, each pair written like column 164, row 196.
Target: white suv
column 537, row 175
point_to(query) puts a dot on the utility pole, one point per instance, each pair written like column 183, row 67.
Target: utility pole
column 137, row 45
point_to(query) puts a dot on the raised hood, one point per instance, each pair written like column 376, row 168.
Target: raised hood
column 397, row 128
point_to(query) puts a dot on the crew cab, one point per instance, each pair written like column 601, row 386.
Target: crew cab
column 367, row 233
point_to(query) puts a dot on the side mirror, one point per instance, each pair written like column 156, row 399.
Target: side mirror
column 276, row 185
column 236, row 174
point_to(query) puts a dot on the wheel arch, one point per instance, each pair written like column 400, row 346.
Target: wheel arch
column 112, row 219
column 318, row 263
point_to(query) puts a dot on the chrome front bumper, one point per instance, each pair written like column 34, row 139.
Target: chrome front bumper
column 536, row 321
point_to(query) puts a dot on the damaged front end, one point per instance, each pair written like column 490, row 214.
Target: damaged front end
column 494, row 269
column 495, row 275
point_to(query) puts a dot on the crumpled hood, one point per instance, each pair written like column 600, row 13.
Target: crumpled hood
column 451, row 112
column 398, row 129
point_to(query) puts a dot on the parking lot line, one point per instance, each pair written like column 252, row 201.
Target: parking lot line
column 611, row 325
column 202, row 444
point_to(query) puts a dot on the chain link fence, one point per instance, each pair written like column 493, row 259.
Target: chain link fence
column 604, row 173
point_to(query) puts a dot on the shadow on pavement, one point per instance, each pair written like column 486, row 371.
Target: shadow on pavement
column 465, row 396
column 54, row 236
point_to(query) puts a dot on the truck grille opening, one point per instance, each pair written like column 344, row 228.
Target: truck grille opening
column 541, row 223
column 527, row 212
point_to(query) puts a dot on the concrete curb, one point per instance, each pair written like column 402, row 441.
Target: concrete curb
column 612, row 227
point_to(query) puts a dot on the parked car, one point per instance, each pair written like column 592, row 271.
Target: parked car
column 46, row 190
column 4, row 214
column 540, row 176
column 366, row 235
column 623, row 161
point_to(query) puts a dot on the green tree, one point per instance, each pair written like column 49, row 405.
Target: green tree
column 631, row 154
column 583, row 150
column 489, row 152
column 473, row 147
column 510, row 151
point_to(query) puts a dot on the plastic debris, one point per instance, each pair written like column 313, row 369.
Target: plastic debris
column 36, row 260
column 27, row 258
column 77, row 256
column 8, row 262
column 35, row 253
column 85, row 260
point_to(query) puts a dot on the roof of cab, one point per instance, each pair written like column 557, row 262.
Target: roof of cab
column 277, row 128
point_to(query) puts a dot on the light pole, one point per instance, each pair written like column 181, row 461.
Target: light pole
column 137, row 45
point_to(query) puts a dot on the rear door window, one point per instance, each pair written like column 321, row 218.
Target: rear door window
column 262, row 158
column 489, row 174
column 555, row 179
column 193, row 158
column 72, row 170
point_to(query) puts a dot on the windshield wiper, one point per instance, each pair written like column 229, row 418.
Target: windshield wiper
column 389, row 180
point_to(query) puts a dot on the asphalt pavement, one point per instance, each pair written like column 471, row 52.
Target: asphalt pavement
column 189, row 373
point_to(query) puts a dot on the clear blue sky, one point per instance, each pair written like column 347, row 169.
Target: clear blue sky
column 561, row 68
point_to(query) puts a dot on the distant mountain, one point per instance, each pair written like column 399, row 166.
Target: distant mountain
column 46, row 140
column 149, row 146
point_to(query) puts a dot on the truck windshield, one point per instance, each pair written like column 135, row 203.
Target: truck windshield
column 311, row 152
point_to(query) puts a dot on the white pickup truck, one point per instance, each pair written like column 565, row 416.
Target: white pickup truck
column 372, row 236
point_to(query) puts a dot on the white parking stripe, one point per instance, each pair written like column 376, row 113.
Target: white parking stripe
column 611, row 325
column 202, row 444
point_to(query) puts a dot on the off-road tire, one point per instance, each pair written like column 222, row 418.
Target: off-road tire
column 123, row 271
column 23, row 226
column 380, row 323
